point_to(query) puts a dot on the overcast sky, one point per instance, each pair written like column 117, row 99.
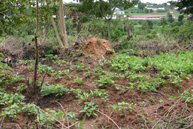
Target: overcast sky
column 156, row 1
column 144, row 1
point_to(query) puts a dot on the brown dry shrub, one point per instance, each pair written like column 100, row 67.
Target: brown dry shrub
column 13, row 46
column 23, row 48
column 156, row 47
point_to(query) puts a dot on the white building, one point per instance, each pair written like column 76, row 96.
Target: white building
column 118, row 11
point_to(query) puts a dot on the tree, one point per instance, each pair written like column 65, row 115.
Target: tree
column 163, row 21
column 36, row 51
column 62, row 27
column 79, row 15
column 184, row 6
column 105, row 9
column 164, row 4
column 150, row 24
column 12, row 14
column 146, row 11
column 141, row 6
column 170, row 18
column 180, row 18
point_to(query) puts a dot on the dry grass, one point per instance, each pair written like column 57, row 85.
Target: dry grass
column 161, row 44
column 13, row 45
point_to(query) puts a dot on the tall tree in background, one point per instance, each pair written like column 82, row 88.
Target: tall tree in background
column 62, row 27
column 141, row 6
column 79, row 14
column 170, row 18
column 180, row 18
column 105, row 9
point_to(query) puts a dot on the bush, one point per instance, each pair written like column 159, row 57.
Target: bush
column 149, row 36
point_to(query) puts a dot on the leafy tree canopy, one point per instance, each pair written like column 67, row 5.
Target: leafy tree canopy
column 12, row 13
column 185, row 6
column 141, row 6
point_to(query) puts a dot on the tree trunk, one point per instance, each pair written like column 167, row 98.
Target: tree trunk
column 109, row 29
column 78, row 29
column 40, row 37
column 57, row 35
column 45, row 36
column 63, row 26
column 36, row 52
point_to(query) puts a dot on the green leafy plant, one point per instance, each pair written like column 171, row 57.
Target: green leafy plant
column 78, row 80
column 187, row 95
column 51, row 57
column 89, row 109
column 22, row 86
column 88, row 74
column 104, row 81
column 57, row 89
column 122, row 107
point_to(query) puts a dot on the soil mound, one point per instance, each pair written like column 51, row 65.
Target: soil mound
column 98, row 48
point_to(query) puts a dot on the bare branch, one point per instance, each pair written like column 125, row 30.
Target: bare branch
column 4, row 11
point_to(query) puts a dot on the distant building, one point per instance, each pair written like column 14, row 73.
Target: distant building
column 155, row 9
column 161, row 8
column 118, row 11
column 145, row 17
column 172, row 10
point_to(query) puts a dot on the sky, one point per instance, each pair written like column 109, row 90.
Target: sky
column 144, row 1
column 156, row 1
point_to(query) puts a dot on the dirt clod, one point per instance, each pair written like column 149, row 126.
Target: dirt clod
column 98, row 48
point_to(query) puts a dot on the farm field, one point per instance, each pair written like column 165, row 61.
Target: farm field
column 71, row 65
column 126, row 91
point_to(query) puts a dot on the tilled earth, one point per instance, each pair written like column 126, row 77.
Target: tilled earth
column 153, row 109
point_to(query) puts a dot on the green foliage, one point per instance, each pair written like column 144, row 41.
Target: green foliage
column 25, row 62
column 104, row 81
column 51, row 116
column 22, row 86
column 185, row 31
column 125, row 62
column 122, row 107
column 187, row 95
column 57, row 89
column 138, row 77
column 83, row 96
column 48, row 50
column 185, row 7
column 61, row 62
column 169, row 63
column 170, row 18
column 51, row 57
column 149, row 36
column 43, row 68
column 88, row 74
column 7, row 77
column 14, row 104
column 78, row 80
column 175, row 79
column 58, row 74
column 89, row 109
column 141, row 6
column 180, row 18
column 13, row 110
